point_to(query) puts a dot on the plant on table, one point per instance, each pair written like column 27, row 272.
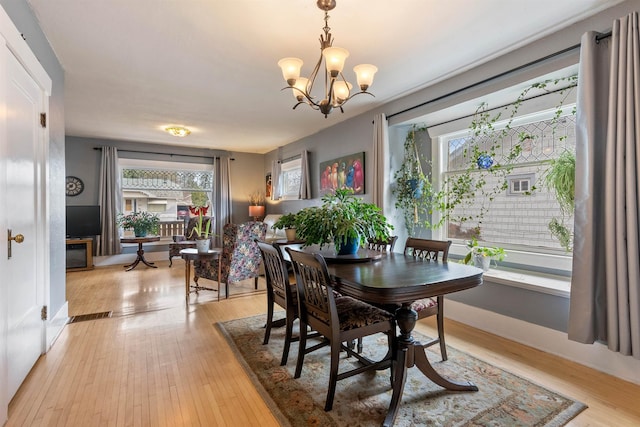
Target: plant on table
column 288, row 223
column 202, row 229
column 141, row 222
column 341, row 219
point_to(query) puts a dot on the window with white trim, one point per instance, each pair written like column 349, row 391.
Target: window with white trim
column 290, row 177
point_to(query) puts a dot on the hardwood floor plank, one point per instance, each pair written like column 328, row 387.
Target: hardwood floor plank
column 158, row 362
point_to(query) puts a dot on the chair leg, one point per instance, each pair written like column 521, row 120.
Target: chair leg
column 170, row 261
column 267, row 331
column 256, row 282
column 440, row 317
column 333, row 374
column 287, row 339
column 302, row 344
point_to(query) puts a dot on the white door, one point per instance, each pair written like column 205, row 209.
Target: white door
column 25, row 289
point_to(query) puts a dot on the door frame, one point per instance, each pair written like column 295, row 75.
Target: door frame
column 12, row 42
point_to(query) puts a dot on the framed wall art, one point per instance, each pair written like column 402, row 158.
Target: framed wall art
column 343, row 172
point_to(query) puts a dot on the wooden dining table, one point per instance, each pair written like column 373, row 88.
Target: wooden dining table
column 400, row 279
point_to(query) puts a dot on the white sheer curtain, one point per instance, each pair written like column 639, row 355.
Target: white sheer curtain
column 223, row 203
column 605, row 285
column 380, row 156
column 305, row 181
column 275, row 180
column 110, row 201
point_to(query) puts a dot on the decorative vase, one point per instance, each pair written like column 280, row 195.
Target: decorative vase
column 481, row 261
column 349, row 247
column 202, row 245
column 416, row 187
column 139, row 232
column 291, row 234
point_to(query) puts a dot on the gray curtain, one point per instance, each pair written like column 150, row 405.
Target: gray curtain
column 305, row 180
column 110, row 200
column 605, row 285
column 380, row 155
column 223, row 202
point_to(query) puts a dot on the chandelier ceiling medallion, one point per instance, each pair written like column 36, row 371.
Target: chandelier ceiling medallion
column 337, row 91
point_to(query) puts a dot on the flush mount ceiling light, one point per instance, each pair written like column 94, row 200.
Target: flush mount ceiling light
column 178, row 131
column 337, row 91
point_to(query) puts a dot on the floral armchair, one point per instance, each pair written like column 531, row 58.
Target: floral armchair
column 184, row 241
column 240, row 258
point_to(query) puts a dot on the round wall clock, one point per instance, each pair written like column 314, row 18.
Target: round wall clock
column 74, row 186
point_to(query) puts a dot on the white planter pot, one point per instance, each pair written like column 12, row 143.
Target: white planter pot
column 202, row 245
column 481, row 261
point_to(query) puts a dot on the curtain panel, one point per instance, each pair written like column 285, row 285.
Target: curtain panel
column 110, row 200
column 223, row 203
column 380, row 156
column 605, row 285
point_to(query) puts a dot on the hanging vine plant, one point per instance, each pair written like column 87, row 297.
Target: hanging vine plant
column 467, row 194
column 413, row 189
column 560, row 178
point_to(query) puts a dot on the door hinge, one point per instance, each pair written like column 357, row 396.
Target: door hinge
column 43, row 120
column 43, row 313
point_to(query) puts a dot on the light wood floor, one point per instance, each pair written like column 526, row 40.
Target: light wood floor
column 157, row 362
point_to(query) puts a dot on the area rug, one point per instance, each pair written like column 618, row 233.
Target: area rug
column 503, row 399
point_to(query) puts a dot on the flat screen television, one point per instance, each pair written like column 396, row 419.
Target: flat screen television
column 83, row 221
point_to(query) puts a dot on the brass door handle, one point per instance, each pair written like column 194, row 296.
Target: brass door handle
column 19, row 238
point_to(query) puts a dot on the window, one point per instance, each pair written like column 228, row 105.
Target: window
column 518, row 217
column 165, row 188
column 520, row 184
column 290, row 177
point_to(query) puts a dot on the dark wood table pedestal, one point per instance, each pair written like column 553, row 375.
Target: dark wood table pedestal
column 411, row 353
column 140, row 252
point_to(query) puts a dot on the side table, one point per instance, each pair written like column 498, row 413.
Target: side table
column 140, row 241
column 192, row 254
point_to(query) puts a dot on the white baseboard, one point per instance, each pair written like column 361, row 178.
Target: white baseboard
column 596, row 356
column 55, row 326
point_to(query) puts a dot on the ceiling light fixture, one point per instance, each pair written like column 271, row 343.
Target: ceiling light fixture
column 178, row 131
column 337, row 90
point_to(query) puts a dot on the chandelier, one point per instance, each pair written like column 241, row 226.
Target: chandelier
column 337, row 91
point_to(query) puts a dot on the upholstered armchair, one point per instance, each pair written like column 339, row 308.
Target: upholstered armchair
column 185, row 241
column 240, row 259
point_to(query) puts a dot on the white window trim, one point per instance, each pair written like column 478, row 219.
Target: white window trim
column 287, row 166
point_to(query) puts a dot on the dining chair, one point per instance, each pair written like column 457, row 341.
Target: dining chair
column 337, row 319
column 279, row 291
column 382, row 245
column 430, row 250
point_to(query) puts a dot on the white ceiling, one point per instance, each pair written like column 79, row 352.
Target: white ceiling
column 134, row 67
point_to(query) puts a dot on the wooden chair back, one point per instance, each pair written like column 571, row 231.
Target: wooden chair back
column 382, row 245
column 426, row 249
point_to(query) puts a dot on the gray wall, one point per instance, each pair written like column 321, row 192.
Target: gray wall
column 24, row 20
column 356, row 135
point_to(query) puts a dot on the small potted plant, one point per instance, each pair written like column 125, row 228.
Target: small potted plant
column 202, row 230
column 142, row 222
column 343, row 220
column 288, row 223
column 481, row 256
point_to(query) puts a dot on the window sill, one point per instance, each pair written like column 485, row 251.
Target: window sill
column 538, row 282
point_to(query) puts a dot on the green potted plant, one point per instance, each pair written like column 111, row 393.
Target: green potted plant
column 202, row 230
column 141, row 222
column 481, row 256
column 561, row 179
column 413, row 189
column 288, row 223
column 343, row 220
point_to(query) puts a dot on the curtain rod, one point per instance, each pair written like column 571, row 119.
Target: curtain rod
column 599, row 37
column 163, row 154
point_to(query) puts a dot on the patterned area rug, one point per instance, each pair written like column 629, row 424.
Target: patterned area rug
column 504, row 399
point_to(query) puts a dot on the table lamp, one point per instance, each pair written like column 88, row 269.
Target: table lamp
column 256, row 212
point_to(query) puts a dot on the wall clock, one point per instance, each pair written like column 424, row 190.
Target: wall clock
column 74, row 186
